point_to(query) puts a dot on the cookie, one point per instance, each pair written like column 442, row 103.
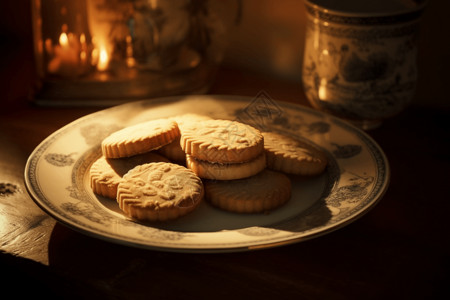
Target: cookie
column 159, row 192
column 140, row 138
column 222, row 141
column 173, row 151
column 261, row 193
column 292, row 156
column 218, row 171
column 185, row 120
column 106, row 173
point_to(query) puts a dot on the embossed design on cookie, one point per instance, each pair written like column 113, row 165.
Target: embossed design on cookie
column 159, row 191
column 293, row 156
column 234, row 135
column 222, row 141
column 158, row 183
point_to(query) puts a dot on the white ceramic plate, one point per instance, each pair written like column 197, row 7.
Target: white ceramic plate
column 357, row 176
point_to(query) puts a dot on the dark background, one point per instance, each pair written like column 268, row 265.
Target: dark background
column 266, row 28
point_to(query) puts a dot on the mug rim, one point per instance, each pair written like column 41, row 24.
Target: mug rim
column 364, row 18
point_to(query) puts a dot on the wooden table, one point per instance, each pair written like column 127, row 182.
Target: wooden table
column 400, row 248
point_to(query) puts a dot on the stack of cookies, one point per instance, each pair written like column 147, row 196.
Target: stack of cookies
column 173, row 150
column 223, row 149
column 146, row 185
column 168, row 165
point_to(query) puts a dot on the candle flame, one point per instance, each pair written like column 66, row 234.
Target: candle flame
column 63, row 40
column 323, row 89
column 103, row 60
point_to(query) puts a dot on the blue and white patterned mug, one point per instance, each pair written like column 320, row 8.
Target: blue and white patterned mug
column 360, row 57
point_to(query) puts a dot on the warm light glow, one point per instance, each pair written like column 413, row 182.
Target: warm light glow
column 317, row 32
column 154, row 4
column 103, row 56
column 103, row 60
column 323, row 89
column 48, row 46
column 83, row 56
column 129, row 49
column 66, row 57
column 64, row 28
column 131, row 62
column 63, row 40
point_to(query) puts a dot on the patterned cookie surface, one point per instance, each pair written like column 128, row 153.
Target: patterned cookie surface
column 292, row 156
column 106, row 174
column 257, row 194
column 140, row 138
column 222, row 141
column 159, row 192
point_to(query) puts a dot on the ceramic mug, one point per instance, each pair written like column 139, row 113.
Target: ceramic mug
column 360, row 57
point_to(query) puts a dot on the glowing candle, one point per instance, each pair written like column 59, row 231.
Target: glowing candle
column 67, row 53
column 103, row 60
column 66, row 58
column 64, row 40
column 83, row 53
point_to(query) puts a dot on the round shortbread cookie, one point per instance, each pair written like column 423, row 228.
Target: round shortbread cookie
column 140, row 138
column 229, row 171
column 159, row 192
column 292, row 156
column 222, row 141
column 106, row 173
column 257, row 194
